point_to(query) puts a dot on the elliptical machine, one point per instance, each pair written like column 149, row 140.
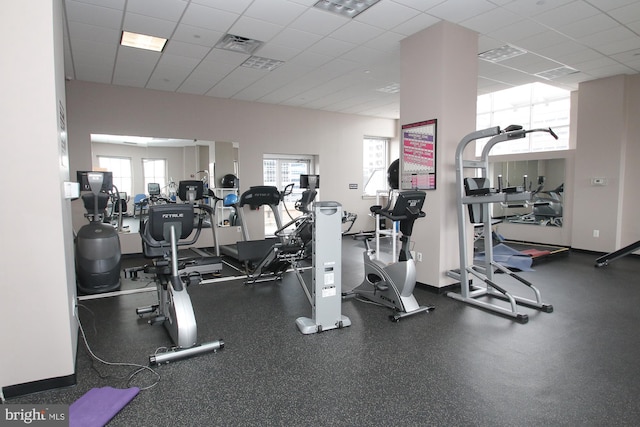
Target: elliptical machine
column 392, row 284
column 97, row 245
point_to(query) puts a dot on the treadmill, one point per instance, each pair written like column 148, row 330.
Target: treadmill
column 200, row 262
column 247, row 250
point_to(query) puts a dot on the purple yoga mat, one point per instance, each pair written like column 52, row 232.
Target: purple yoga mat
column 97, row 406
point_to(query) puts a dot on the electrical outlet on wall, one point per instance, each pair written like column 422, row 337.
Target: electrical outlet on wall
column 596, row 233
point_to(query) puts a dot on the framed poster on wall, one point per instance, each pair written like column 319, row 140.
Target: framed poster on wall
column 418, row 166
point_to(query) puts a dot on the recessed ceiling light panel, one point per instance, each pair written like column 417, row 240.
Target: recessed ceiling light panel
column 348, row 8
column 557, row 73
column 390, row 88
column 142, row 41
column 501, row 53
column 260, row 63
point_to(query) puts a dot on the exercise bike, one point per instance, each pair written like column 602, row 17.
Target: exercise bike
column 167, row 227
column 392, row 285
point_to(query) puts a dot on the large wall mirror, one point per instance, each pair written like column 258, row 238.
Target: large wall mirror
column 138, row 160
column 545, row 179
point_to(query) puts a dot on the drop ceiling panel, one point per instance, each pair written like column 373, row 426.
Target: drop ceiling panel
column 562, row 50
column 334, row 69
column 631, row 43
column 204, row 77
column 574, row 59
column 275, row 80
column 606, row 37
column 186, row 50
column 418, row 23
column 206, row 17
column 235, row 6
column 529, row 8
column 255, row 29
column 279, row 12
column 86, row 32
column 196, row 35
column 309, row 59
column 421, row 5
column 168, row 10
column 530, row 63
column 571, row 12
column 93, row 15
column 609, row 70
column 356, row 32
column 295, row 39
column 235, row 82
column 626, row 14
column 318, row 22
column 457, row 11
column 113, row 4
column 491, row 20
column 331, row 47
column 388, row 41
column 587, row 26
column 387, row 15
column 92, row 71
column 226, row 57
column 594, row 64
column 278, row 52
column 87, row 51
column 134, row 66
column 540, row 41
column 147, row 25
column 610, row 4
column 517, row 31
column 364, row 55
column 292, row 89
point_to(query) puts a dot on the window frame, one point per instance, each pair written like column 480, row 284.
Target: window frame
column 368, row 171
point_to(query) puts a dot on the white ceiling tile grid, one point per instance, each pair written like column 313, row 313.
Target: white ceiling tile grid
column 338, row 63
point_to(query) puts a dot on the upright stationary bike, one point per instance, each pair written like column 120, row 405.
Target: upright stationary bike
column 392, row 284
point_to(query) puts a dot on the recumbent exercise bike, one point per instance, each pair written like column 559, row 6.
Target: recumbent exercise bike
column 167, row 227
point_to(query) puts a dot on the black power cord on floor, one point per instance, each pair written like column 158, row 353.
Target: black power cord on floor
column 139, row 368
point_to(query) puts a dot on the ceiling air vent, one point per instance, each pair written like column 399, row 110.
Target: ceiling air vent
column 238, row 44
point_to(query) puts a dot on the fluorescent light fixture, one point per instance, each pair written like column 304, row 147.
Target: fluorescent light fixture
column 390, row 88
column 142, row 41
column 238, row 44
column 501, row 53
column 260, row 63
column 556, row 73
column 348, row 8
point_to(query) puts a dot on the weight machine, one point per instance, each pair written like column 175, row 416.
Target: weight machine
column 477, row 195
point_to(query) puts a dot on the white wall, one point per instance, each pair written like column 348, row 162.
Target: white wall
column 258, row 129
column 608, row 138
column 39, row 333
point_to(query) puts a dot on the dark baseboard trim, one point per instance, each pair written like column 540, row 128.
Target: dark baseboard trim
column 439, row 290
column 38, row 386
